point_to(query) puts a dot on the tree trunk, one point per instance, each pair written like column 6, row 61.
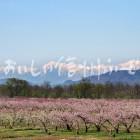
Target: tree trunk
column 128, row 130
column 56, row 128
column 98, row 128
column 117, row 130
column 68, row 127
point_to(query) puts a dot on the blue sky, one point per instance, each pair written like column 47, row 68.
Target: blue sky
column 87, row 29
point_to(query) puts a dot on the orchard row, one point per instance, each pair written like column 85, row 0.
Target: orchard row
column 76, row 115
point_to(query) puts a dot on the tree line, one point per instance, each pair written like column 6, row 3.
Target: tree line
column 84, row 89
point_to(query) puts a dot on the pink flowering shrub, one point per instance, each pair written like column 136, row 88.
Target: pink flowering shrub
column 70, row 114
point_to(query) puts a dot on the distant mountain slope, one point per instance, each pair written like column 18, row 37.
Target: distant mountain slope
column 114, row 77
column 53, row 78
column 3, row 81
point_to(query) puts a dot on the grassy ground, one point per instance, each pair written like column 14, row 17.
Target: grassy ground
column 36, row 134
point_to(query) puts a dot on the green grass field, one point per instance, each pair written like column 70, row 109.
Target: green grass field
column 36, row 134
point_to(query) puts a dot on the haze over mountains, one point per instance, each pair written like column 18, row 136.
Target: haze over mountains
column 54, row 77
column 115, row 77
column 51, row 77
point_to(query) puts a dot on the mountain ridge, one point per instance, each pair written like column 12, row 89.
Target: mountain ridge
column 122, row 76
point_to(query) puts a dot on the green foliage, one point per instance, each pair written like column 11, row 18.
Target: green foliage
column 17, row 87
column 36, row 134
column 84, row 89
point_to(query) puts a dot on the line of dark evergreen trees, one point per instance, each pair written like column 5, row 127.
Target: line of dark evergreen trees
column 84, row 89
